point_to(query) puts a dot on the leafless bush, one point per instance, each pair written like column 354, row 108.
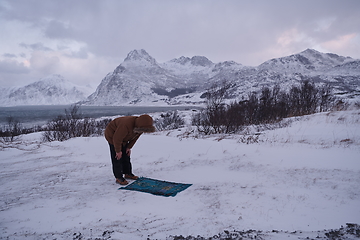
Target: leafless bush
column 357, row 105
column 71, row 125
column 169, row 121
column 340, row 105
column 249, row 139
column 12, row 130
column 201, row 121
column 267, row 107
column 211, row 120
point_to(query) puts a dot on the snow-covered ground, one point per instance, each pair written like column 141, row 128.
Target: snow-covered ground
column 303, row 177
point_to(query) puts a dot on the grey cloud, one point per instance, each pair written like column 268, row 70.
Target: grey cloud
column 36, row 47
column 57, row 29
column 13, row 67
column 45, row 64
column 82, row 53
column 9, row 55
column 113, row 28
column 240, row 30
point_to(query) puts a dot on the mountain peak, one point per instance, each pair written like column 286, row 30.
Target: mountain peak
column 307, row 60
column 181, row 60
column 311, row 51
column 139, row 55
column 200, row 61
column 195, row 61
column 53, row 78
column 330, row 59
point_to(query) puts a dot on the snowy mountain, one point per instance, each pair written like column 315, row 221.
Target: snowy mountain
column 308, row 61
column 343, row 73
column 51, row 90
column 141, row 80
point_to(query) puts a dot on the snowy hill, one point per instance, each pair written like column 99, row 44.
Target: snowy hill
column 287, row 181
column 51, row 90
column 141, row 80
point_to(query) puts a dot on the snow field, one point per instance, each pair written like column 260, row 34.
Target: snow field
column 304, row 176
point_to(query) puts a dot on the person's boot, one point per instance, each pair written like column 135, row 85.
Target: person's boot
column 122, row 181
column 131, row 176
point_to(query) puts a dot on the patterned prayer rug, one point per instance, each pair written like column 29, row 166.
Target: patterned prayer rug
column 156, row 187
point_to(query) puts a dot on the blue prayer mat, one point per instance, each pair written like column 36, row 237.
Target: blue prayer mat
column 156, row 187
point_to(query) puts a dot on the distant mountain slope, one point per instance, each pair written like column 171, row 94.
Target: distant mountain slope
column 141, row 80
column 308, row 61
column 51, row 90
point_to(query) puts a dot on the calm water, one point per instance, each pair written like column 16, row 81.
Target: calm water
column 30, row 116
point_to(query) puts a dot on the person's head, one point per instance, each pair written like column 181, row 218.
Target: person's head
column 144, row 123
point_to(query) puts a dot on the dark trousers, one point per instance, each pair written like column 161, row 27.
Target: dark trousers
column 121, row 166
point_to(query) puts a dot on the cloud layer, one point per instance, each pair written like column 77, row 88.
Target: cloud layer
column 84, row 40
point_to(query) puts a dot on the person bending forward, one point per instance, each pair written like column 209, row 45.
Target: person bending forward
column 121, row 134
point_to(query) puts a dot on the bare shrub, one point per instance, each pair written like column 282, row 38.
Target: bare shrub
column 340, row 105
column 267, row 107
column 72, row 125
column 249, row 139
column 211, row 119
column 169, row 121
column 12, row 130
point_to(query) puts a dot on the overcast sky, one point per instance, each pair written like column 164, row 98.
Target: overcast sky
column 83, row 40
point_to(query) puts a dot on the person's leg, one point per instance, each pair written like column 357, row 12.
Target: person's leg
column 127, row 166
column 116, row 164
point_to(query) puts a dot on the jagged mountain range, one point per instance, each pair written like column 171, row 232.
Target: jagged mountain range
column 141, row 80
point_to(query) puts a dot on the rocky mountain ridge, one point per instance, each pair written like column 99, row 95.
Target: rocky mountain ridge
column 141, row 80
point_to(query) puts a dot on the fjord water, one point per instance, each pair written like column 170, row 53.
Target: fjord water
column 30, row 116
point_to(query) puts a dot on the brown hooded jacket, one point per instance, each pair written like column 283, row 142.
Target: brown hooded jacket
column 125, row 131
